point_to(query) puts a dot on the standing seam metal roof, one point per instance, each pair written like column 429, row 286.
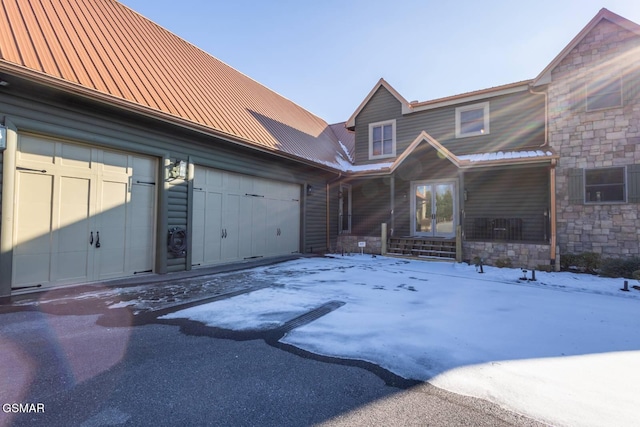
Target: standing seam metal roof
column 104, row 46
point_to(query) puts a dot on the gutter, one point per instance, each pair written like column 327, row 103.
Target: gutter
column 132, row 107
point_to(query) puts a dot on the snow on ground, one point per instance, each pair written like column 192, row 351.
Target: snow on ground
column 564, row 349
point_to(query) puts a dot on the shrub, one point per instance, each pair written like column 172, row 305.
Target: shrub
column 503, row 263
column 620, row 267
column 586, row 262
column 544, row 267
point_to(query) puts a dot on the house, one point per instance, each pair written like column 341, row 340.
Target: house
column 519, row 173
column 117, row 161
column 128, row 151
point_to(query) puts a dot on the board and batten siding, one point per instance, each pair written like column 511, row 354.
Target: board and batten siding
column 516, row 122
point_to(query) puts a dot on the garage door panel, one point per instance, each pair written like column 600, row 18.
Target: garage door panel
column 74, row 156
column 213, row 228
column 86, row 192
column 33, row 225
column 36, row 150
column 32, row 269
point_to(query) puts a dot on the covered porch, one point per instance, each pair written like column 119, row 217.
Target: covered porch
column 437, row 205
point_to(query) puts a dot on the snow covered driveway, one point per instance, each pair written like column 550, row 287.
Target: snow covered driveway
column 564, row 349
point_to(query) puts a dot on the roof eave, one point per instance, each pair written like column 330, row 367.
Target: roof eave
column 545, row 76
column 75, row 89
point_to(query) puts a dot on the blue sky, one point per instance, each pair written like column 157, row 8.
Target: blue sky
column 327, row 55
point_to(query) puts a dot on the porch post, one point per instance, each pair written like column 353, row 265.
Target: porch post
column 552, row 213
column 392, row 184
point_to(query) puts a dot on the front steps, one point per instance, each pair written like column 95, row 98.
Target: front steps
column 421, row 247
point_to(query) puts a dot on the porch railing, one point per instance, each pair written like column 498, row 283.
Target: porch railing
column 533, row 229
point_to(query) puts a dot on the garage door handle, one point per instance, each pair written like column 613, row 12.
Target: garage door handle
column 225, row 233
column 91, row 239
column 97, row 239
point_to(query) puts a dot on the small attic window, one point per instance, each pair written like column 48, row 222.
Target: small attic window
column 604, row 93
column 472, row 120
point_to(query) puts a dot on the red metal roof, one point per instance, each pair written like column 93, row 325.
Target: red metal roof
column 118, row 55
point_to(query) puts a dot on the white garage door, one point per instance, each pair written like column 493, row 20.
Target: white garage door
column 82, row 214
column 237, row 217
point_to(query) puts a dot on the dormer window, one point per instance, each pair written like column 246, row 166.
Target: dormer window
column 472, row 120
column 382, row 139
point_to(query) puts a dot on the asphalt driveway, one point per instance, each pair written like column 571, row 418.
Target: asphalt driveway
column 90, row 365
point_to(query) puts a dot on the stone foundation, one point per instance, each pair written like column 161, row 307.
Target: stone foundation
column 349, row 243
column 525, row 255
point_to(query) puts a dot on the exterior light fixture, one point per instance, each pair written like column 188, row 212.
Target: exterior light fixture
column 179, row 170
column 309, row 190
column 3, row 138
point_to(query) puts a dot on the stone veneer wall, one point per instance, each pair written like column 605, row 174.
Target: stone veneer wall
column 525, row 255
column 349, row 243
column 595, row 139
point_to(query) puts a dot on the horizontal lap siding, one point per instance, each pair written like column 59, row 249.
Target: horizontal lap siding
column 177, row 201
column 509, row 193
column 382, row 106
column 516, row 122
column 89, row 123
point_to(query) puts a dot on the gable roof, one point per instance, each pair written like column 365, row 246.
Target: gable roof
column 545, row 76
column 103, row 50
column 381, row 83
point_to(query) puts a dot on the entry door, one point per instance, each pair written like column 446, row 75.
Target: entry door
column 434, row 207
column 82, row 214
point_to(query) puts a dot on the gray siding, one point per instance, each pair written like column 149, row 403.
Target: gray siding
column 509, row 193
column 90, row 123
column 516, row 122
column 371, row 206
column 382, row 106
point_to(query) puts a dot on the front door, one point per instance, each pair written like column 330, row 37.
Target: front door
column 434, row 208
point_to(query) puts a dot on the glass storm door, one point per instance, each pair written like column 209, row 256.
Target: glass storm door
column 434, row 209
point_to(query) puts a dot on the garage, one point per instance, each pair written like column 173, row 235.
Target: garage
column 238, row 217
column 82, row 214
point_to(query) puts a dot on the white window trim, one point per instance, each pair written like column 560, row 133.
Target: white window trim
column 588, row 93
column 459, row 110
column 393, row 135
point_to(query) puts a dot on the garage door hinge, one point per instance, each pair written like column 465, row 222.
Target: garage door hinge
column 17, row 288
column 295, row 200
column 145, row 271
column 253, row 195
column 253, row 257
column 145, row 182
column 30, row 170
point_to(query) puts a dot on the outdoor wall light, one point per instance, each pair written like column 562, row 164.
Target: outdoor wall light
column 3, row 138
column 466, row 195
column 309, row 190
column 179, row 170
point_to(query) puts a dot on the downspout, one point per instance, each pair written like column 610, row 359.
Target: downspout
column 552, row 177
column 328, row 220
column 546, row 115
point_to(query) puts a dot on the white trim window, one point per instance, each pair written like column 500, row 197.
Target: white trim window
column 603, row 94
column 472, row 120
column 382, row 139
